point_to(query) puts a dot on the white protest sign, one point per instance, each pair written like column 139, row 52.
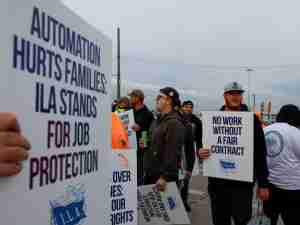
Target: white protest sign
column 128, row 120
column 55, row 75
column 229, row 135
column 157, row 208
column 123, row 188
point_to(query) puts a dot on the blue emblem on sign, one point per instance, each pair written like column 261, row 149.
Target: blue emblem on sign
column 171, row 202
column 227, row 164
column 69, row 209
column 274, row 142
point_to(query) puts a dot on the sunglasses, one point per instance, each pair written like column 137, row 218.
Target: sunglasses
column 234, row 93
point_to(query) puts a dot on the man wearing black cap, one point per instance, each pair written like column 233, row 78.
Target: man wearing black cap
column 188, row 109
column 196, row 124
column 233, row 199
column 143, row 118
column 166, row 141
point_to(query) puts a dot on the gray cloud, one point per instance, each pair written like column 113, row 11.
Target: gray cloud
column 199, row 45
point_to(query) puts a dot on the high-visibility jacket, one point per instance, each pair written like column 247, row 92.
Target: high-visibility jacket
column 258, row 114
column 119, row 135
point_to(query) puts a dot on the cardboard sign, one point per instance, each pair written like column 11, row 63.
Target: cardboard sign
column 229, row 136
column 160, row 208
column 55, row 75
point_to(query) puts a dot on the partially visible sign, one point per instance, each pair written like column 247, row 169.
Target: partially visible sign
column 161, row 208
column 123, row 188
column 128, row 120
column 55, row 75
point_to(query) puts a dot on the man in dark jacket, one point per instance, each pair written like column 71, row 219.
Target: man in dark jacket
column 195, row 125
column 188, row 109
column 166, row 141
column 233, row 199
column 143, row 119
column 187, row 158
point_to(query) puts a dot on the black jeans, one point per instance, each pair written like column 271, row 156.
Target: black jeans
column 285, row 203
column 140, row 167
column 230, row 203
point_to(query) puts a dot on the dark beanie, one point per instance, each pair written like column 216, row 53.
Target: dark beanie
column 289, row 114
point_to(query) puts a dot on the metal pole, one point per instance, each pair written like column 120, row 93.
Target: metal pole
column 118, row 66
column 254, row 103
column 249, row 70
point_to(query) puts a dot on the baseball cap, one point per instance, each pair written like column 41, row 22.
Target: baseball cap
column 189, row 102
column 233, row 86
column 138, row 93
column 171, row 93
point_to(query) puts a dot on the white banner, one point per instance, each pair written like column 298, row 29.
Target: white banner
column 229, row 135
column 123, row 188
column 128, row 120
column 161, row 208
column 55, row 74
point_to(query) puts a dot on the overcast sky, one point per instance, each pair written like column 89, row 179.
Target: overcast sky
column 199, row 45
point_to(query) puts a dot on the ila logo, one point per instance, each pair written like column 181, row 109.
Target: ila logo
column 228, row 166
column 69, row 209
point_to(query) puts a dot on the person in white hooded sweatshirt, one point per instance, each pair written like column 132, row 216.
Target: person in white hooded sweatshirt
column 283, row 151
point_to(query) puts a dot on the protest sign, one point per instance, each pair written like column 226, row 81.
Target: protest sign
column 160, row 208
column 123, row 188
column 128, row 120
column 229, row 135
column 55, row 75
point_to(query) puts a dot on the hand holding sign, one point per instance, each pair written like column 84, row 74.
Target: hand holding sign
column 161, row 184
column 136, row 128
column 13, row 146
column 204, row 153
column 263, row 193
column 188, row 174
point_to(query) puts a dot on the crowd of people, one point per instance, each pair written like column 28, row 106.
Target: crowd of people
column 174, row 134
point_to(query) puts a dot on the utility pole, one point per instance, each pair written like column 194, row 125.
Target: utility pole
column 254, row 103
column 118, row 66
column 249, row 70
column 269, row 110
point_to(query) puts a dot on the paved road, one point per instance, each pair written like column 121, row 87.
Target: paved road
column 200, row 214
column 199, row 199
